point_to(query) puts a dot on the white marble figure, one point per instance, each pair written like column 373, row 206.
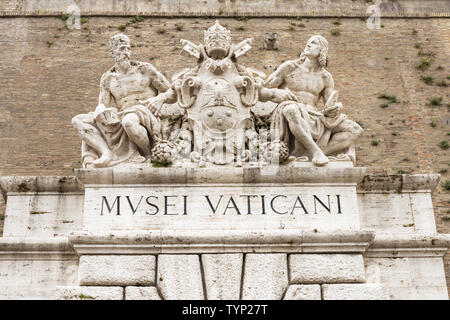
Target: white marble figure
column 212, row 120
column 122, row 128
column 217, row 95
column 298, row 85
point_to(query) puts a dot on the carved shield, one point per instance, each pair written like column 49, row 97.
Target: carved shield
column 219, row 106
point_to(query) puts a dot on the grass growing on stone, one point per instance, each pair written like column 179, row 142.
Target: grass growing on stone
column 417, row 45
column 443, row 145
column 446, row 185
column 436, row 101
column 161, row 31
column 427, row 79
column 336, row 32
column 446, row 218
column 384, row 105
column 443, row 171
column 424, row 64
column 137, row 19
column 433, row 124
column 179, row 27
column 82, row 296
column 442, row 83
column 392, row 99
column 426, row 54
column 64, row 17
column 241, row 18
column 161, row 164
column 374, row 143
column 240, row 28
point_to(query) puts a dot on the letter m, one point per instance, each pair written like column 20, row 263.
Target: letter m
column 110, row 208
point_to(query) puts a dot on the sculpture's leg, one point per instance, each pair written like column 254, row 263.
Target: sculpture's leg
column 300, row 129
column 344, row 136
column 84, row 123
column 136, row 133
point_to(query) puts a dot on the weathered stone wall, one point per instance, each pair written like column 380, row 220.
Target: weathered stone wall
column 49, row 74
column 271, row 7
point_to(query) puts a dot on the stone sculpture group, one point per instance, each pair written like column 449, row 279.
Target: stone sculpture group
column 205, row 115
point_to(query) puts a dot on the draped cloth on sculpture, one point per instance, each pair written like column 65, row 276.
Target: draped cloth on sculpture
column 320, row 127
column 120, row 145
column 146, row 119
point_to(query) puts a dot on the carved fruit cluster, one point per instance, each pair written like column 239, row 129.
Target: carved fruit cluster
column 276, row 149
column 163, row 153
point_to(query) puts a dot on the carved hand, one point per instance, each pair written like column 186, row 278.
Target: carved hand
column 154, row 104
column 280, row 95
column 106, row 116
column 333, row 111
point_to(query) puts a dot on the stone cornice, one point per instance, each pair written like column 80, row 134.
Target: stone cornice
column 405, row 245
column 220, row 241
column 18, row 248
column 230, row 175
column 37, row 184
column 399, row 182
column 223, row 175
column 212, row 14
column 225, row 241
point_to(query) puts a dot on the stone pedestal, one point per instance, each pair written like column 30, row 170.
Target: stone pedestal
column 174, row 233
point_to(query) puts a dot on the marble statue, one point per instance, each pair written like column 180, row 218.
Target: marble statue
column 213, row 120
column 122, row 128
column 270, row 41
column 298, row 86
column 217, row 95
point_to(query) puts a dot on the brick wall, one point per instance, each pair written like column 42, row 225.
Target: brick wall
column 271, row 7
column 49, row 74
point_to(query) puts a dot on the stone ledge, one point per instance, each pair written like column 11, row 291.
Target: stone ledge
column 24, row 184
column 57, row 248
column 405, row 245
column 148, row 175
column 399, row 182
column 220, row 241
column 212, row 14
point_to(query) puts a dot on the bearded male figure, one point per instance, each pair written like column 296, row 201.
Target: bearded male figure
column 298, row 85
column 121, row 128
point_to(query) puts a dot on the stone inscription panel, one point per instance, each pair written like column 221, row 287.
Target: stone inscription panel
column 220, row 207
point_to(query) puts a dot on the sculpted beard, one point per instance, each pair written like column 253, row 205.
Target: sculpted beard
column 123, row 61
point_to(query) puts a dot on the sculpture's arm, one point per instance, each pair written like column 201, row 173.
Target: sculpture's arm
column 329, row 86
column 276, row 79
column 106, row 111
column 105, row 99
column 271, row 91
column 165, row 93
column 329, row 94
